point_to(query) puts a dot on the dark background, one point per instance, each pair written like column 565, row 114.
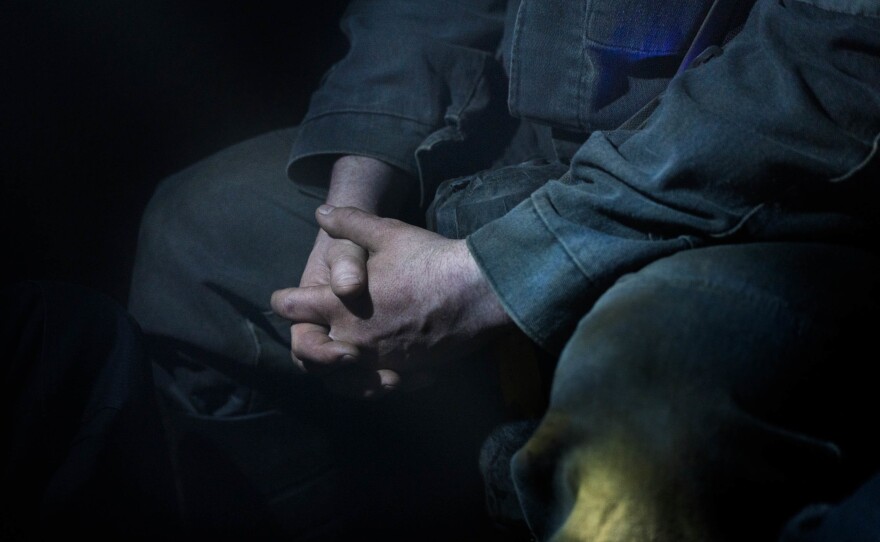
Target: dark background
column 101, row 99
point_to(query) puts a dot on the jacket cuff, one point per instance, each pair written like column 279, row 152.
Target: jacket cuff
column 321, row 139
column 537, row 282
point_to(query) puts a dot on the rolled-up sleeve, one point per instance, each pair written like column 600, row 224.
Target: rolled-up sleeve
column 413, row 69
column 775, row 139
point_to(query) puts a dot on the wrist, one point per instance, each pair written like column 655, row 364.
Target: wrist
column 481, row 306
column 367, row 184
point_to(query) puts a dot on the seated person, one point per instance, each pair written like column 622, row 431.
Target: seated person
column 688, row 246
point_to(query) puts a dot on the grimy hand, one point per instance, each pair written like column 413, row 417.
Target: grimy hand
column 355, row 181
column 425, row 299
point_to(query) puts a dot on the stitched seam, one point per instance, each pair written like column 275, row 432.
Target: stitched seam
column 582, row 76
column 616, row 47
column 365, row 112
column 348, row 150
column 459, row 114
column 551, row 231
column 513, row 97
column 538, row 335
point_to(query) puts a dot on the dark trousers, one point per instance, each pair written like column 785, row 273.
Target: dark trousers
column 82, row 446
column 710, row 396
column 261, row 448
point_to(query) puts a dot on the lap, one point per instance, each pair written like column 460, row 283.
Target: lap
column 728, row 348
column 215, row 241
column 715, row 385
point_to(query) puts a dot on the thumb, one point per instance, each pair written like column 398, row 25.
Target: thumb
column 360, row 227
column 348, row 268
column 310, row 304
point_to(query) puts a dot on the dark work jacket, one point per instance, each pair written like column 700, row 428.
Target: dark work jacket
column 775, row 138
column 430, row 86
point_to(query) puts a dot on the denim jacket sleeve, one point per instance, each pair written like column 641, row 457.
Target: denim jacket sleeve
column 418, row 73
column 775, row 139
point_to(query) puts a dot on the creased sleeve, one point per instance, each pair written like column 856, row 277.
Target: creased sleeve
column 418, row 74
column 774, row 140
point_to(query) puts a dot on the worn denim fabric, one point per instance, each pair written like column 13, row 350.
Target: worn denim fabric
column 709, row 397
column 425, row 84
column 589, row 65
column 774, row 139
column 464, row 205
column 420, row 84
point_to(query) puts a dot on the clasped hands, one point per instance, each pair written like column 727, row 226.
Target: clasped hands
column 382, row 303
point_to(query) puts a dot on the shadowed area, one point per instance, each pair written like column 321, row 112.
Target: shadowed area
column 101, row 100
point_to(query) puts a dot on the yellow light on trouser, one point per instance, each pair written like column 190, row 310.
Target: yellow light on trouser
column 621, row 496
column 607, row 489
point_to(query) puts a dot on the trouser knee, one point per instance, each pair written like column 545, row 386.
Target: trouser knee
column 692, row 394
column 216, row 240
